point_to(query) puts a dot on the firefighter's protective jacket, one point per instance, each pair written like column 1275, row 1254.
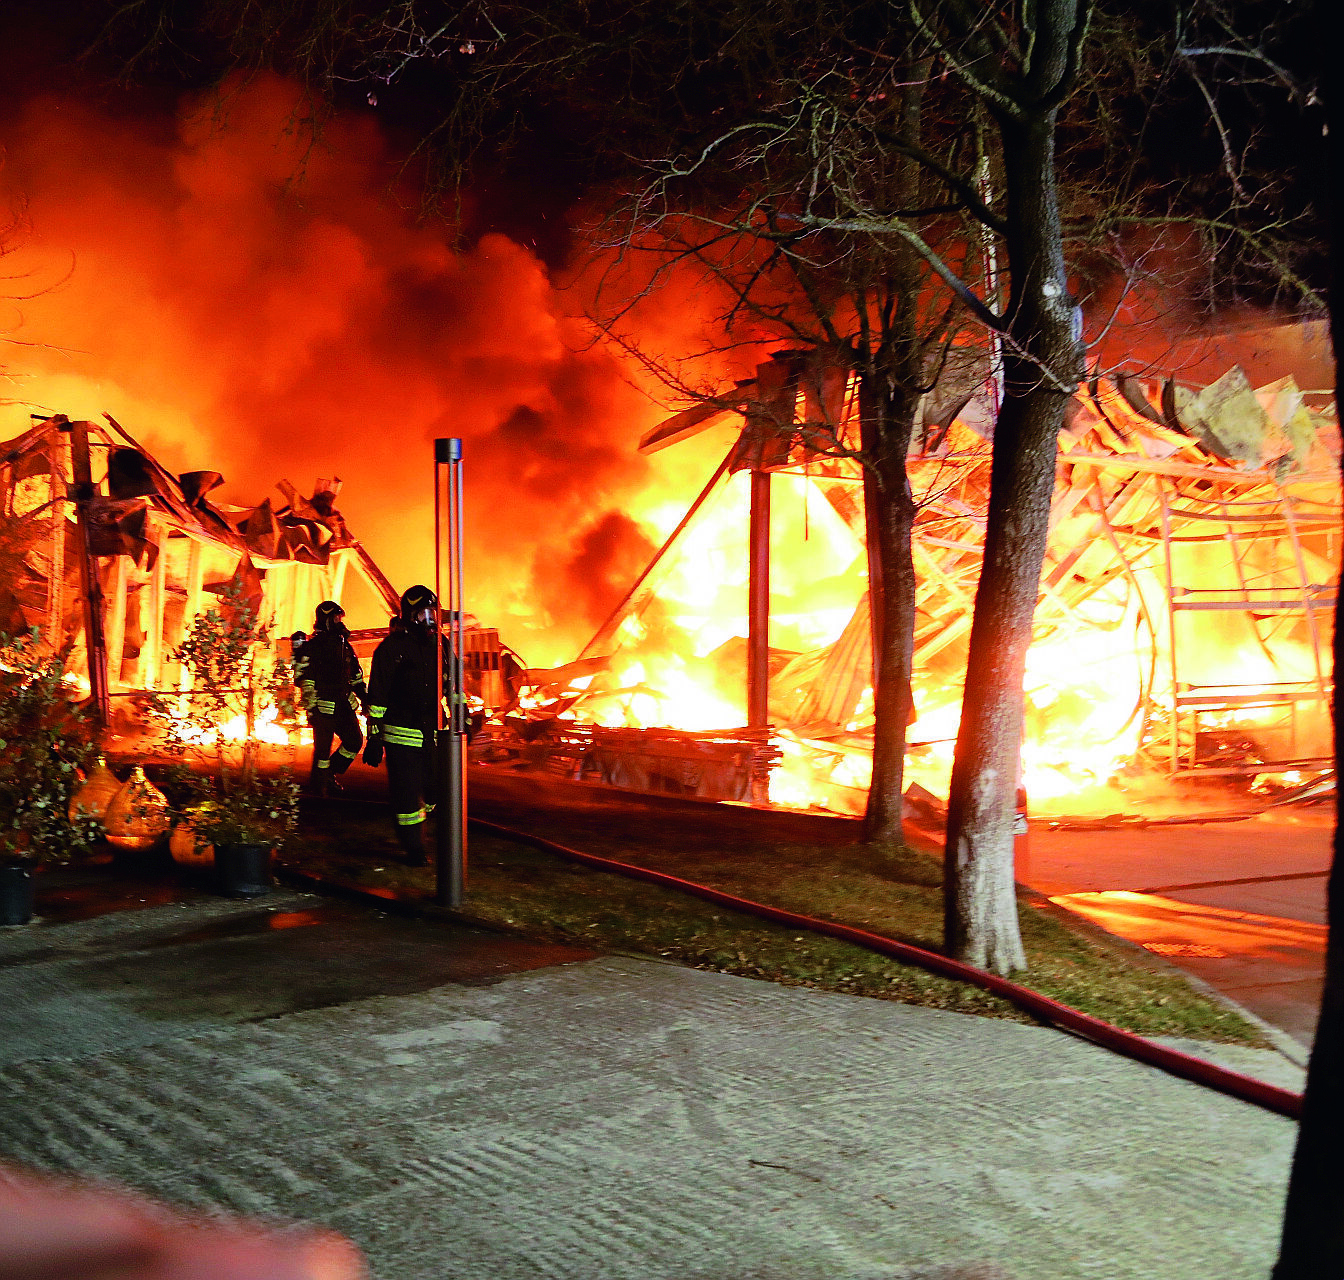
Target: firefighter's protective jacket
column 403, row 688
column 328, row 671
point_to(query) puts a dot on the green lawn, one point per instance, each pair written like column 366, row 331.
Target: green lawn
column 815, row 868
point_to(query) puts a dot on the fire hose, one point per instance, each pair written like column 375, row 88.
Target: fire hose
column 1233, row 1083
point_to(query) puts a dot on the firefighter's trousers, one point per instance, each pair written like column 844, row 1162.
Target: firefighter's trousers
column 340, row 722
column 410, row 783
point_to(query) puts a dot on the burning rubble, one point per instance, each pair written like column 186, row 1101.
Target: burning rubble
column 111, row 556
column 1183, row 632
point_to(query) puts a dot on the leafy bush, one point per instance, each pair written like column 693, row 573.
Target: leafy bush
column 45, row 743
column 220, row 785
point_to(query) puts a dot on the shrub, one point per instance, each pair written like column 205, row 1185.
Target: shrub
column 45, row 743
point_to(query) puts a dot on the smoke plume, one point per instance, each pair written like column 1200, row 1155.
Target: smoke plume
column 245, row 298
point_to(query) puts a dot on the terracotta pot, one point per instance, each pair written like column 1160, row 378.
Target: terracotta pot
column 184, row 849
column 16, row 894
column 95, row 794
column 138, row 814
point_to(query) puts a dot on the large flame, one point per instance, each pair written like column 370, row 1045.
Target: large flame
column 1094, row 674
column 250, row 302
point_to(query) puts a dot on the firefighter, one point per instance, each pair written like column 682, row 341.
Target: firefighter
column 403, row 715
column 327, row 670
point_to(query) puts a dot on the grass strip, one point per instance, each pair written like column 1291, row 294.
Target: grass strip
column 515, row 887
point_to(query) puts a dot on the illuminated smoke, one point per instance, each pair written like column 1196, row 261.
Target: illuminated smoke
column 598, row 572
column 245, row 299
column 1152, row 321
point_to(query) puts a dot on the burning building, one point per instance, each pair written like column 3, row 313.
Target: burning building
column 112, row 555
column 1183, row 631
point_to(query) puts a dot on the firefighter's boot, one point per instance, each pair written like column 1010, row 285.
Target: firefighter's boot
column 411, row 838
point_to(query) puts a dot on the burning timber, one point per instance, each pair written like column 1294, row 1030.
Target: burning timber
column 107, row 552
column 1183, row 631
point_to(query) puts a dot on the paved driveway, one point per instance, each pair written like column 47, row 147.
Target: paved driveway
column 463, row 1109
column 1240, row 905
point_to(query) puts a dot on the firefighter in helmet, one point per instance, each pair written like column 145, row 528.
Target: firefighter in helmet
column 403, row 714
column 327, row 670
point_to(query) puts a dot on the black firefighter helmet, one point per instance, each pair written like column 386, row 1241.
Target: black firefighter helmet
column 328, row 616
column 419, row 607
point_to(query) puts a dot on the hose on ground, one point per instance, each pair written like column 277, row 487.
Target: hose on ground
column 1233, row 1083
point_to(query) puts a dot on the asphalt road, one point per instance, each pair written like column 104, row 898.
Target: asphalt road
column 1238, row 905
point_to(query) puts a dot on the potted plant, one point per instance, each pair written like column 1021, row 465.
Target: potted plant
column 45, row 744
column 237, row 803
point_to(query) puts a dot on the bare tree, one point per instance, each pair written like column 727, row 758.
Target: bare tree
column 827, row 168
column 1022, row 64
column 830, row 226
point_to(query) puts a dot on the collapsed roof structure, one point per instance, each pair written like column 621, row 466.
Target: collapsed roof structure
column 1184, row 625
column 107, row 551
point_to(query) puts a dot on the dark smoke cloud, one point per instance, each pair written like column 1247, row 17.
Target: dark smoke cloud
column 244, row 298
column 605, row 561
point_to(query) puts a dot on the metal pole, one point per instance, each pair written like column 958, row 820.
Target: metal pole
column 758, row 623
column 451, row 754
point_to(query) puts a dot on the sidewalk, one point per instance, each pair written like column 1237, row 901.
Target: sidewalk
column 1239, row 905
column 614, row 1118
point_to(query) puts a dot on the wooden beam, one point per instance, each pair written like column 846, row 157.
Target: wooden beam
column 56, row 575
column 83, row 494
column 120, row 573
column 195, row 589
column 758, row 604
column 151, row 651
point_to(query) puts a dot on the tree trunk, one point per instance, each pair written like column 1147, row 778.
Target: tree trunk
column 1042, row 365
column 887, row 419
column 891, row 379
column 1312, row 1244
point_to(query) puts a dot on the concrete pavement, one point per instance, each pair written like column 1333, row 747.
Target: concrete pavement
column 610, row 1117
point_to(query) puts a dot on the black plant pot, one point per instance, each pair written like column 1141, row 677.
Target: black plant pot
column 242, row 870
column 16, row 894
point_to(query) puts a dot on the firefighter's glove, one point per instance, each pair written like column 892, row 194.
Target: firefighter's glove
column 373, row 751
